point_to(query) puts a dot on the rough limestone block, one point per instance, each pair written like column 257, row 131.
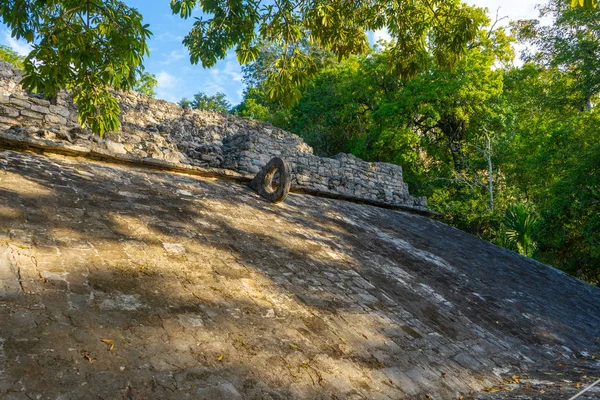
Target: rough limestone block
column 8, row 121
column 60, row 110
column 55, row 119
column 250, row 168
column 31, row 114
column 9, row 112
column 41, row 102
column 114, row 147
column 6, row 73
column 18, row 101
column 40, row 109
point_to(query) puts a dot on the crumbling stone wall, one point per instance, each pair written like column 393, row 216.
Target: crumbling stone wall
column 162, row 130
column 344, row 174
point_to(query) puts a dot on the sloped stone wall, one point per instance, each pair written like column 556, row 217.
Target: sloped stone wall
column 162, row 130
column 198, row 284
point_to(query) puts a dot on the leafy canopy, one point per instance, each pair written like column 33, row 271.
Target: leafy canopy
column 551, row 160
column 419, row 28
column 584, row 3
column 520, row 228
column 359, row 106
column 570, row 44
column 87, row 47
column 92, row 46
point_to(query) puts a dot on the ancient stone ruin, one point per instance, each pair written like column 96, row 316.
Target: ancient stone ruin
column 138, row 267
column 163, row 131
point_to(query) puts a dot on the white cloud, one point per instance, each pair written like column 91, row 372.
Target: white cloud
column 233, row 71
column 226, row 77
column 168, row 37
column 174, row 56
column 20, row 46
column 167, row 86
column 381, row 34
column 211, row 88
column 164, row 78
column 513, row 9
column 178, row 54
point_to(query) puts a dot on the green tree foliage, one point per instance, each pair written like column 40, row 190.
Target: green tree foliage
column 584, row 3
column 551, row 159
column 571, row 228
column 146, row 84
column 441, row 28
column 84, row 46
column 519, row 229
column 10, row 56
column 92, row 46
column 217, row 102
column 570, row 44
column 259, row 101
column 258, row 72
column 184, row 103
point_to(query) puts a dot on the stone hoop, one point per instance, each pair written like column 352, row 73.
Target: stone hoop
column 263, row 181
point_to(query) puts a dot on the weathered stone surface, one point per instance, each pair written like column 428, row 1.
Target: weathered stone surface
column 55, row 119
column 9, row 111
column 9, row 274
column 38, row 108
column 32, row 115
column 140, row 284
column 164, row 131
column 18, row 102
column 114, row 147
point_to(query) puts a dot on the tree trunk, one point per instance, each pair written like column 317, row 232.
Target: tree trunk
column 454, row 131
column 488, row 155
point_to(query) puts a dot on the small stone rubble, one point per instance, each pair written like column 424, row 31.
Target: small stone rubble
column 156, row 129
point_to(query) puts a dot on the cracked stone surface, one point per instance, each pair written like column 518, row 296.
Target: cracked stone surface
column 10, row 279
column 121, row 283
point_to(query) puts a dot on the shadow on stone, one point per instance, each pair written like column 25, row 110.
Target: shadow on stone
column 209, row 292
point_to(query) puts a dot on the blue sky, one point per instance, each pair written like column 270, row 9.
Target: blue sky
column 177, row 78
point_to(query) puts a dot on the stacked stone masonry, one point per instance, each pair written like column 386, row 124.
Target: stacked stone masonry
column 160, row 130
